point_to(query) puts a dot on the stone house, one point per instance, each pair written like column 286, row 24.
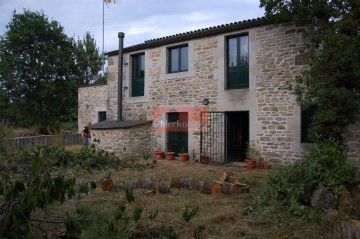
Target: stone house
column 209, row 91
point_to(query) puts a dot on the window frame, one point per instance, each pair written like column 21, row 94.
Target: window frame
column 181, row 58
column 239, row 83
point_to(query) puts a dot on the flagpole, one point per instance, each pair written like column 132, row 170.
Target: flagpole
column 103, row 27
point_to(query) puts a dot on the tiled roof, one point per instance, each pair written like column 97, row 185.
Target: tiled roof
column 214, row 30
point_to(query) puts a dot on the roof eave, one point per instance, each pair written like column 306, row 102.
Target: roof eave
column 227, row 28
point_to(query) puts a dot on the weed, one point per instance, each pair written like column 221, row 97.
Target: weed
column 188, row 214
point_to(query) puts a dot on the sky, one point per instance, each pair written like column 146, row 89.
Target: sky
column 140, row 20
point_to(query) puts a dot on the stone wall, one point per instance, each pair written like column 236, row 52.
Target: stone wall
column 125, row 141
column 279, row 134
column 91, row 100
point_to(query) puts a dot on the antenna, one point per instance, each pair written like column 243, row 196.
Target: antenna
column 105, row 2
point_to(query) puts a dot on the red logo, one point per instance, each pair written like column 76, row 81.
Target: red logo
column 178, row 119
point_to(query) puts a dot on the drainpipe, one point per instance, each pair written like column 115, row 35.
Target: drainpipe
column 121, row 36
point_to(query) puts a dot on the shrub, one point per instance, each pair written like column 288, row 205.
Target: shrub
column 326, row 166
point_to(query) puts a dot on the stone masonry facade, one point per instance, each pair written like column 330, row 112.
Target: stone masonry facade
column 274, row 117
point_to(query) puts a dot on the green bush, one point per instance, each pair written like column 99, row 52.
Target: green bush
column 23, row 197
column 326, row 166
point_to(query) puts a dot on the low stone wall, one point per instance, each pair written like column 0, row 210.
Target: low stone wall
column 134, row 140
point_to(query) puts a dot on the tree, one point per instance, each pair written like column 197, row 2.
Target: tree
column 332, row 83
column 38, row 74
column 88, row 59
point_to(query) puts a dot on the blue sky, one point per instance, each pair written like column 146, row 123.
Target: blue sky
column 140, row 20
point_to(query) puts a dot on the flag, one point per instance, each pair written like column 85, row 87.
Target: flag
column 110, row 1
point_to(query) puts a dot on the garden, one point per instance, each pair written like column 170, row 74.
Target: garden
column 58, row 192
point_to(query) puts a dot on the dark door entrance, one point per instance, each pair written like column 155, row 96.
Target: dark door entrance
column 237, row 135
column 177, row 132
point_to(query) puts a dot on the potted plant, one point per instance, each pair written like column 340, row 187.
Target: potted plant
column 170, row 155
column 261, row 163
column 267, row 165
column 183, row 156
column 159, row 154
column 204, row 158
column 252, row 154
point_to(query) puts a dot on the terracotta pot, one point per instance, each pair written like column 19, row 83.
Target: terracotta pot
column 250, row 164
column 261, row 166
column 183, row 157
column 170, row 155
column 267, row 166
column 159, row 154
column 204, row 159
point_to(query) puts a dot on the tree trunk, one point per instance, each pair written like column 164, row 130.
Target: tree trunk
column 164, row 187
column 206, row 188
column 107, row 184
column 229, row 188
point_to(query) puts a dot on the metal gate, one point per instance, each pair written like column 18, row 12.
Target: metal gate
column 212, row 136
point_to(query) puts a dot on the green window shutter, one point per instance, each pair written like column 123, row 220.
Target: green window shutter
column 238, row 77
column 137, row 80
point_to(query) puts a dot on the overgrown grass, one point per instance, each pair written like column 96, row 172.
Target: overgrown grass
column 111, row 214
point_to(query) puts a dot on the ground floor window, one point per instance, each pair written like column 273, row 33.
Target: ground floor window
column 101, row 116
column 306, row 122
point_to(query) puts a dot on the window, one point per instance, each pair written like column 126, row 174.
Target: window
column 102, row 116
column 178, row 59
column 306, row 123
column 238, row 62
column 137, row 79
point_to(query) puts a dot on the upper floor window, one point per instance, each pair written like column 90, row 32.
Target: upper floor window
column 238, row 62
column 178, row 59
column 137, row 76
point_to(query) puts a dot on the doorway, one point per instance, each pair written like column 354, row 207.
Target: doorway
column 237, row 135
column 224, row 135
column 177, row 132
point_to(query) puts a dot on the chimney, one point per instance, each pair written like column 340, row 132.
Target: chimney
column 121, row 36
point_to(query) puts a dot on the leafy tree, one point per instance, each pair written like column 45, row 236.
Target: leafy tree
column 332, row 83
column 38, row 74
column 88, row 59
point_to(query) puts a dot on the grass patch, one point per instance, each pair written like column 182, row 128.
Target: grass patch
column 217, row 216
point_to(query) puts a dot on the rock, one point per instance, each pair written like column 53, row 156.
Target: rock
column 164, row 187
column 322, row 199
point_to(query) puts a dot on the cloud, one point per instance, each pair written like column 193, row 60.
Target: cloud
column 140, row 20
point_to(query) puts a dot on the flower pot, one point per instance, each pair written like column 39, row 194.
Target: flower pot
column 183, row 157
column 204, row 159
column 267, row 166
column 170, row 155
column 159, row 154
column 250, row 164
